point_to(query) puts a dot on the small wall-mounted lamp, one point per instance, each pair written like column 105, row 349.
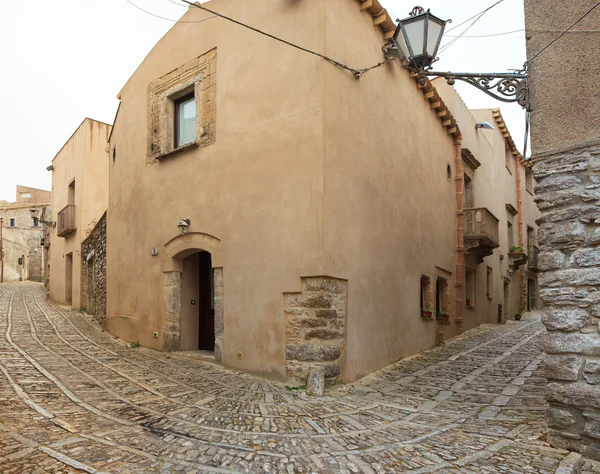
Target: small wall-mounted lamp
column 484, row 125
column 34, row 213
column 183, row 225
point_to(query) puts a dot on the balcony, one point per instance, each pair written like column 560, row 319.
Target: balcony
column 516, row 258
column 66, row 221
column 481, row 232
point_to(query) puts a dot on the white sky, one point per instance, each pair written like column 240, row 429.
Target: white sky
column 63, row 60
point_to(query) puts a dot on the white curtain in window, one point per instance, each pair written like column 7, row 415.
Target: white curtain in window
column 187, row 122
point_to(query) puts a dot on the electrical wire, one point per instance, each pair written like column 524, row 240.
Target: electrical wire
column 356, row 72
column 563, row 33
column 177, row 3
column 474, row 16
column 446, row 46
column 167, row 19
column 486, row 36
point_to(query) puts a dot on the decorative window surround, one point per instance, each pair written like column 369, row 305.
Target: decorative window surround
column 197, row 76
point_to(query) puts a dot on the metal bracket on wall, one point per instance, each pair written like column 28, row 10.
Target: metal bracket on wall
column 505, row 86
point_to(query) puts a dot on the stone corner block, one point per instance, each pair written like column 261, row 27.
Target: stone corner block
column 566, row 318
column 558, row 367
column 315, row 384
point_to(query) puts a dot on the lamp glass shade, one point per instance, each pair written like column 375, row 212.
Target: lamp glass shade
column 418, row 38
column 414, row 32
column 34, row 212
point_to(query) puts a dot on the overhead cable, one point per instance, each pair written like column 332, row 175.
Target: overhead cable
column 356, row 72
column 563, row 33
column 474, row 16
column 165, row 18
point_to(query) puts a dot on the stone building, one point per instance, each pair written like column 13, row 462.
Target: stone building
column 565, row 141
column 79, row 199
column 15, row 256
column 17, row 217
column 284, row 223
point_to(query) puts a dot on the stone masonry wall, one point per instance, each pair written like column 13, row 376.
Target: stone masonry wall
column 93, row 253
column 33, row 236
column 568, row 195
column 315, row 328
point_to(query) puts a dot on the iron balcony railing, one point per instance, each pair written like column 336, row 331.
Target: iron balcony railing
column 66, row 221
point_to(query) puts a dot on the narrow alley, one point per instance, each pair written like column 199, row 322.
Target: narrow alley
column 74, row 399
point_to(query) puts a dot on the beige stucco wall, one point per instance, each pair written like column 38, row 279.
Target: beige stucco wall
column 35, row 195
column 494, row 187
column 565, row 76
column 15, row 246
column 83, row 159
column 257, row 189
column 386, row 157
column 506, row 181
column 283, row 200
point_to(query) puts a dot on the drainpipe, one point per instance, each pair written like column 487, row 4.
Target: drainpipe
column 521, row 242
column 460, row 232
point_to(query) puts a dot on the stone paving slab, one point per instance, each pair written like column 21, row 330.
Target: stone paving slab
column 75, row 399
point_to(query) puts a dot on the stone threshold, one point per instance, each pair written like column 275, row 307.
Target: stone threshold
column 204, row 356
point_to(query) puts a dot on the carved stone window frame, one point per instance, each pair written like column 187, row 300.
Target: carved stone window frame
column 197, row 76
column 167, row 112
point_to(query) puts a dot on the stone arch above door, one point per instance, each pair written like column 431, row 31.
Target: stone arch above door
column 177, row 249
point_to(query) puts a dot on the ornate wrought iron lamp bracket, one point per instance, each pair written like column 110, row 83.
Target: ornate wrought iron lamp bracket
column 506, row 87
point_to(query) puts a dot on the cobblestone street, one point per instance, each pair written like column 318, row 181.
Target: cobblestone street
column 74, row 399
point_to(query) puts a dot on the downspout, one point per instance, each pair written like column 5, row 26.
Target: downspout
column 521, row 242
column 460, row 231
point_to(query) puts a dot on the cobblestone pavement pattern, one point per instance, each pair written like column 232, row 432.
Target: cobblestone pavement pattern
column 74, row 399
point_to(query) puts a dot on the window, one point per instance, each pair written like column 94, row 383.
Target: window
column 449, row 173
column 442, row 297
column 185, row 120
column 12, row 222
column 511, row 235
column 173, row 123
column 489, row 282
column 468, row 198
column 71, row 193
column 529, row 180
column 25, row 195
column 114, row 155
column 469, row 288
column 426, row 294
column 508, row 158
column 36, row 222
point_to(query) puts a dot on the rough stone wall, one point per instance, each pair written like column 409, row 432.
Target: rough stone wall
column 568, row 195
column 32, row 235
column 172, row 300
column 94, row 248
column 315, row 328
column 219, row 315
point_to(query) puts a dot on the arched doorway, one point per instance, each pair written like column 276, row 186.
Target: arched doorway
column 193, row 286
column 197, row 303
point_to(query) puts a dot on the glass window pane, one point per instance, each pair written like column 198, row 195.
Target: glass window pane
column 186, row 111
column 433, row 34
column 415, row 31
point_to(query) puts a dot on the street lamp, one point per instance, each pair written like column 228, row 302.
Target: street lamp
column 417, row 39
column 183, row 225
